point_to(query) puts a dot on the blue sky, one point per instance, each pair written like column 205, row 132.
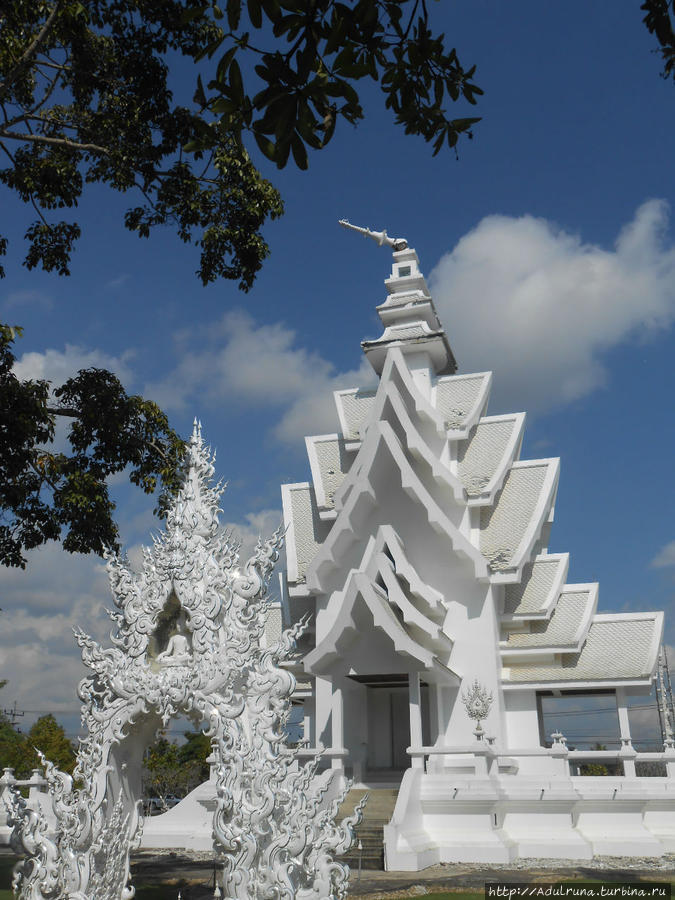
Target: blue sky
column 551, row 255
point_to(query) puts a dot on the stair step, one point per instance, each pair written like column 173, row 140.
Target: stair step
column 377, row 813
column 367, row 862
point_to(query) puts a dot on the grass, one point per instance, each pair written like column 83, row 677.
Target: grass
column 451, row 895
column 473, row 895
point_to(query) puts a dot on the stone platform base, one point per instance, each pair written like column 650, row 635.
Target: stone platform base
column 442, row 818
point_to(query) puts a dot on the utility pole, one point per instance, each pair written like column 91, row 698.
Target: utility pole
column 13, row 714
column 664, row 697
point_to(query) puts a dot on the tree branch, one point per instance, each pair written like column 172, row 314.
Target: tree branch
column 53, row 141
column 158, row 449
column 51, row 65
column 31, row 196
column 42, row 475
column 69, row 411
column 29, row 53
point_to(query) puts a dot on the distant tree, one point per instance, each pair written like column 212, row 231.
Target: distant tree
column 595, row 768
column 166, row 774
column 18, row 750
column 47, row 494
column 14, row 749
column 86, row 96
column 50, row 738
column 194, row 752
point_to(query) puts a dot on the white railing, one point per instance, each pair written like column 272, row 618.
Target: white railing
column 36, row 784
column 483, row 756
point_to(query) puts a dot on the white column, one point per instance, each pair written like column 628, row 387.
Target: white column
column 337, row 726
column 414, row 700
column 323, row 701
column 439, row 697
column 669, row 750
column 624, row 731
column 307, row 721
column 622, row 710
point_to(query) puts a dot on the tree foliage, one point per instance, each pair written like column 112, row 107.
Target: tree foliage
column 195, row 751
column 595, row 768
column 50, row 738
column 51, row 494
column 86, row 96
column 13, row 749
column 659, row 19
column 173, row 771
column 18, row 750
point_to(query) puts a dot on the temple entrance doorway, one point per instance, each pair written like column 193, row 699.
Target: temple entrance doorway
column 388, row 723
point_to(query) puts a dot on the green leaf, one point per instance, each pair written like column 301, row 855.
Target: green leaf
column 190, row 14
column 223, row 106
column 236, row 84
column 233, row 10
column 200, row 95
column 266, row 146
column 223, row 66
column 299, row 152
column 255, row 13
column 272, row 9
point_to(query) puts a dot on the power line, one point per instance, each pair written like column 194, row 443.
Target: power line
column 664, row 697
column 13, row 714
column 594, row 710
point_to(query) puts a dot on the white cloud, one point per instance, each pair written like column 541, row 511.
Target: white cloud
column 58, row 591
column 665, row 558
column 38, row 652
column 261, row 524
column 58, row 365
column 261, row 366
column 518, row 296
column 118, row 282
column 23, row 299
column 537, row 306
column 52, row 581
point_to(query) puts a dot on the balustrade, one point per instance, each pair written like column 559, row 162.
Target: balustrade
column 484, row 756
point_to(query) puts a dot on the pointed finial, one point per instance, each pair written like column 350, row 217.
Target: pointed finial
column 381, row 237
column 196, row 437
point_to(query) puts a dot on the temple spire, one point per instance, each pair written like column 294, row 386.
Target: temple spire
column 408, row 314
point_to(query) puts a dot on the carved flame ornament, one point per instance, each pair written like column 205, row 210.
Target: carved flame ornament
column 477, row 702
column 187, row 640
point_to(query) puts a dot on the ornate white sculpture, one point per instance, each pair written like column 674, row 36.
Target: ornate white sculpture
column 271, row 827
column 477, row 702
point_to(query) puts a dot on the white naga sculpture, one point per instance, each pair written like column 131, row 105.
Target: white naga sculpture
column 273, row 830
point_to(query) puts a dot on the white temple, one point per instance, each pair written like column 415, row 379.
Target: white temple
column 420, row 547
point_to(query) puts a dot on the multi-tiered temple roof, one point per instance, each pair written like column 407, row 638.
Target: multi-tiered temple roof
column 425, row 433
